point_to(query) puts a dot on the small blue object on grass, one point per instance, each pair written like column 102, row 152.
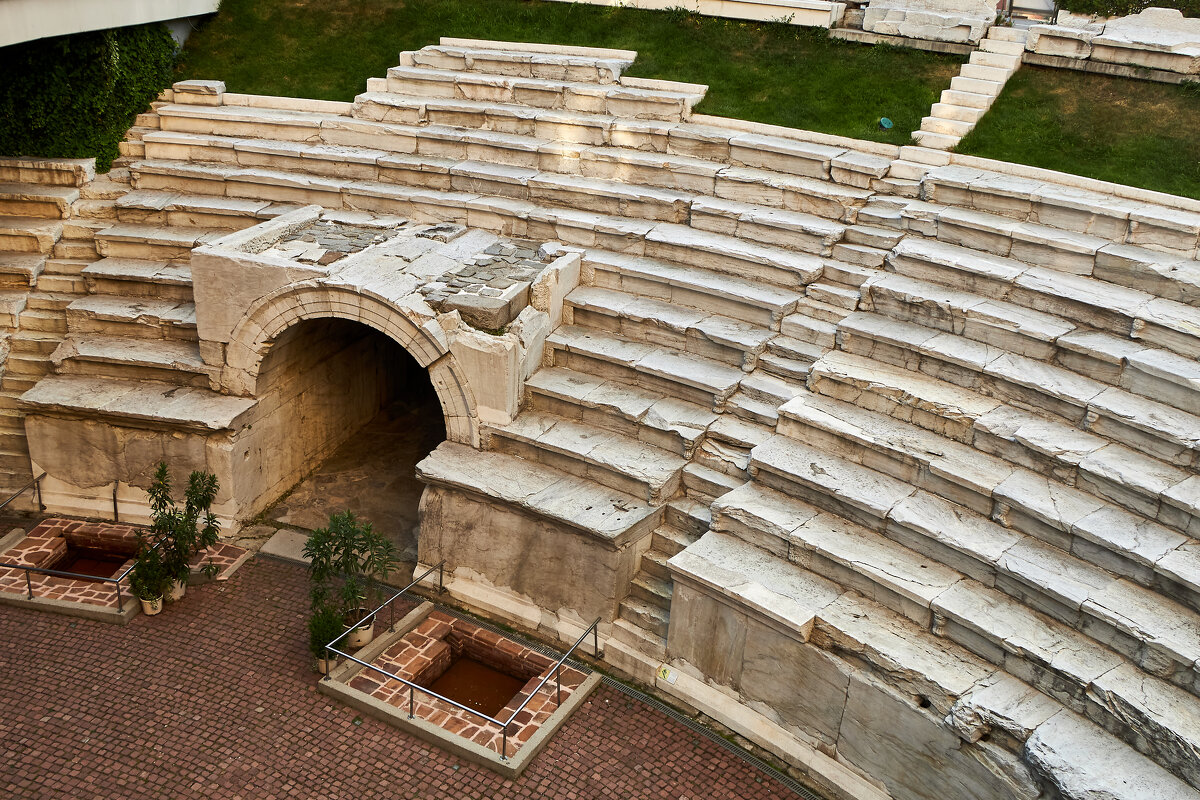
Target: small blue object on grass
column 885, row 123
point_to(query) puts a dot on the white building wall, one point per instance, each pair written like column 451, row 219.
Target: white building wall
column 26, row 20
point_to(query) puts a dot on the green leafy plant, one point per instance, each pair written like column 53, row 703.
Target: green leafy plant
column 149, row 578
column 183, row 532
column 75, row 96
column 324, row 625
column 346, row 561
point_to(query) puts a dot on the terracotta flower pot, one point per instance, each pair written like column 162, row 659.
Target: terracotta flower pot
column 177, row 590
column 152, row 607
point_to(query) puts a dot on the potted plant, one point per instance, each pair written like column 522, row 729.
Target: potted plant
column 324, row 625
column 149, row 579
column 346, row 562
column 183, row 532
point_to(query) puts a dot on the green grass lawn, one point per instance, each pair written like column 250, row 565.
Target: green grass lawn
column 772, row 73
column 1116, row 129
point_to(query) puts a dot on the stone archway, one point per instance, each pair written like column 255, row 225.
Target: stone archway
column 270, row 461
column 410, row 323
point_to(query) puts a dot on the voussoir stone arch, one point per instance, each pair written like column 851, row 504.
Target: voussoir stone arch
column 408, row 322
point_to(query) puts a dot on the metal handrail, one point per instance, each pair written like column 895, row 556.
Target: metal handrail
column 115, row 579
column 36, row 482
column 556, row 671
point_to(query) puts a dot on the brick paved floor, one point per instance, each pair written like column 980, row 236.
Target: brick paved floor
column 215, row 698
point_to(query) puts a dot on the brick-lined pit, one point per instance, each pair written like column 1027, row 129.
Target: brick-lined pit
column 51, row 541
column 48, row 544
column 216, row 698
column 425, row 653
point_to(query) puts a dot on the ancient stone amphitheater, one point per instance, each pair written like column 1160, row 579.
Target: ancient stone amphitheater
column 889, row 455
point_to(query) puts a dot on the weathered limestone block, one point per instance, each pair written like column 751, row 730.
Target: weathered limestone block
column 940, row 20
column 551, row 565
column 1062, row 40
column 1158, row 38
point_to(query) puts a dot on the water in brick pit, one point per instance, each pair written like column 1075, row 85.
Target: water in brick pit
column 477, row 686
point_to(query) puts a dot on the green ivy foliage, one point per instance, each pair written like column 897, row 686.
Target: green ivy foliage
column 1123, row 8
column 76, row 96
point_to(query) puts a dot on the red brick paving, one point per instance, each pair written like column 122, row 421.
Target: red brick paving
column 215, row 698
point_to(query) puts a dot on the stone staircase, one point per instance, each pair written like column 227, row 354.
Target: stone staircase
column 972, row 93
column 937, row 424
column 41, row 246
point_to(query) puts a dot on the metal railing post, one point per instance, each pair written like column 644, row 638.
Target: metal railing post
column 116, row 485
column 37, row 488
column 558, row 684
column 596, row 641
column 442, row 577
column 117, row 584
column 504, row 745
column 410, row 701
column 28, row 584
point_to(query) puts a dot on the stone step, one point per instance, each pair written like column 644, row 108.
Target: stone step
column 654, row 565
column 26, row 365
column 775, row 227
column 688, row 377
column 132, row 358
column 148, row 207
column 618, row 462
column 146, row 318
column 66, row 266
column 940, row 141
column 727, row 447
column 134, row 148
column 669, row 540
column 1061, row 662
column 43, row 321
column 983, row 72
column 1116, row 310
column 989, row 88
column 109, row 186
column 34, row 200
column 35, row 343
column 48, row 301
column 690, row 516
column 29, row 234
column 998, row 46
column 127, row 277
column 613, row 99
column 603, row 68
column 809, row 329
column 664, row 324
column 48, row 172
column 542, row 491
column 833, row 295
column 62, row 284
column 1001, row 60
column 960, row 113
column 731, row 256
column 967, row 99
column 649, row 617
column 949, row 127
column 651, row 591
column 136, row 404
column 1155, row 429
column 682, row 285
column 664, row 422
column 152, row 242
column 1148, row 371
column 1076, row 519
column 1002, row 33
column 1151, row 246
column 704, row 484
column 20, row 270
